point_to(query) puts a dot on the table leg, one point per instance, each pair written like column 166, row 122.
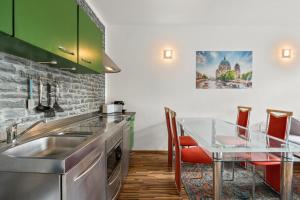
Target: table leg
column 286, row 192
column 217, row 176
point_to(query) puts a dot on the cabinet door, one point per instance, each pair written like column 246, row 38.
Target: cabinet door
column 48, row 24
column 90, row 43
column 6, row 12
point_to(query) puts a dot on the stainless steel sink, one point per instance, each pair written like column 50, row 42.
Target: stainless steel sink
column 46, row 147
column 73, row 133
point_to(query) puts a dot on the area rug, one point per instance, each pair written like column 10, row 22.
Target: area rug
column 197, row 181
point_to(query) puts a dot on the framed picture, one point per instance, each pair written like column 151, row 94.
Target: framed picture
column 223, row 69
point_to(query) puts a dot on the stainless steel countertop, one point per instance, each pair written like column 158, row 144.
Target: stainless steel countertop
column 101, row 126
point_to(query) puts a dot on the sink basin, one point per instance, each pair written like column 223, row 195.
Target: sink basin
column 46, row 147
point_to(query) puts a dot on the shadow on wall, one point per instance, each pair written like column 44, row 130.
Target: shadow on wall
column 154, row 137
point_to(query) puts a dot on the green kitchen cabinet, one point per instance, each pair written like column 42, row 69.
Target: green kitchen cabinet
column 6, row 16
column 48, row 24
column 90, row 39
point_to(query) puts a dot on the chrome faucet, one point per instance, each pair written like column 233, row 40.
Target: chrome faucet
column 12, row 131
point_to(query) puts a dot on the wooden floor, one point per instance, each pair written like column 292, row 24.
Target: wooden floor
column 150, row 178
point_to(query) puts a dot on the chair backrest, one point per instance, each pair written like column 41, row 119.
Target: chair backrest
column 170, row 137
column 167, row 114
column 243, row 119
column 174, row 129
column 177, row 150
column 278, row 123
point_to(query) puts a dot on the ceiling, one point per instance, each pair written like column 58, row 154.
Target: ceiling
column 198, row 12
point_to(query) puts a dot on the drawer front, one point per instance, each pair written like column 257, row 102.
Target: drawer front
column 86, row 182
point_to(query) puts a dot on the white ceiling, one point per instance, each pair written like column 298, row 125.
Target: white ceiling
column 198, row 12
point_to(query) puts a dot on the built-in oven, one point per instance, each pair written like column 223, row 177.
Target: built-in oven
column 113, row 164
column 114, row 158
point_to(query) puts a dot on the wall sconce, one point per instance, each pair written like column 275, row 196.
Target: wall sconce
column 286, row 53
column 168, row 54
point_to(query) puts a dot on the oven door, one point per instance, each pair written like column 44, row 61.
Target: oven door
column 114, row 158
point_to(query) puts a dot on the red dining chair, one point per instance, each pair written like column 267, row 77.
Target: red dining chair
column 278, row 125
column 194, row 155
column 242, row 120
column 183, row 140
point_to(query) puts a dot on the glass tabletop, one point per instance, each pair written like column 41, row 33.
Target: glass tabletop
column 219, row 136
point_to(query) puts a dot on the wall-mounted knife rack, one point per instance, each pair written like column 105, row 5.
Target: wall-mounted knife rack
column 38, row 77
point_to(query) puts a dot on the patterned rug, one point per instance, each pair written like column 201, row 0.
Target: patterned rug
column 197, row 181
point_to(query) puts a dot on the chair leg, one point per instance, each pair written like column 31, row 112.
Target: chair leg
column 253, row 182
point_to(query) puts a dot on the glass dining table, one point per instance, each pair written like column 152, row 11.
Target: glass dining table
column 228, row 142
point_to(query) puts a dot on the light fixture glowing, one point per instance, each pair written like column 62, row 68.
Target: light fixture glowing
column 286, row 53
column 168, row 54
column 109, row 68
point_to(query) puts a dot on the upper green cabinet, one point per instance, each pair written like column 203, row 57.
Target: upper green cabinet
column 90, row 43
column 6, row 16
column 48, row 24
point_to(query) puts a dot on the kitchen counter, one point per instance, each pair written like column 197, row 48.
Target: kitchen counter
column 100, row 126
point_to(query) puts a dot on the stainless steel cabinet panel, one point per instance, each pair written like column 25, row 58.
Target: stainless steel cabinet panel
column 87, row 180
column 114, row 184
column 29, row 186
column 126, row 149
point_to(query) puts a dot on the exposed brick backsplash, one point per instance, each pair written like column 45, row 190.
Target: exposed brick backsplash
column 79, row 93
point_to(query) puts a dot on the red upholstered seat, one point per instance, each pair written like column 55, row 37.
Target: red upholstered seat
column 191, row 154
column 195, row 155
column 268, row 159
column 187, row 141
column 183, row 140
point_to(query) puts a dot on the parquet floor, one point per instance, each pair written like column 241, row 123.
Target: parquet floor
column 150, row 178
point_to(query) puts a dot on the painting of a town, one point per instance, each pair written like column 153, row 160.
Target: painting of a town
column 223, row 69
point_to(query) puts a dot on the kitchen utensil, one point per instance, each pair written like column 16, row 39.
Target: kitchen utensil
column 50, row 112
column 56, row 106
column 40, row 107
column 30, row 100
column 119, row 102
column 112, row 108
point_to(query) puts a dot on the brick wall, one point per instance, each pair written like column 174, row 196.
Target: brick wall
column 79, row 93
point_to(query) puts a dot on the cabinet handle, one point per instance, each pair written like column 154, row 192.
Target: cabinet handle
column 89, row 169
column 63, row 49
column 86, row 61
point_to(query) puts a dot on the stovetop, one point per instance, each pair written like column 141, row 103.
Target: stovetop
column 96, row 123
column 101, row 121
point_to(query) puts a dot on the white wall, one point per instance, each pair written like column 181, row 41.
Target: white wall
column 147, row 82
